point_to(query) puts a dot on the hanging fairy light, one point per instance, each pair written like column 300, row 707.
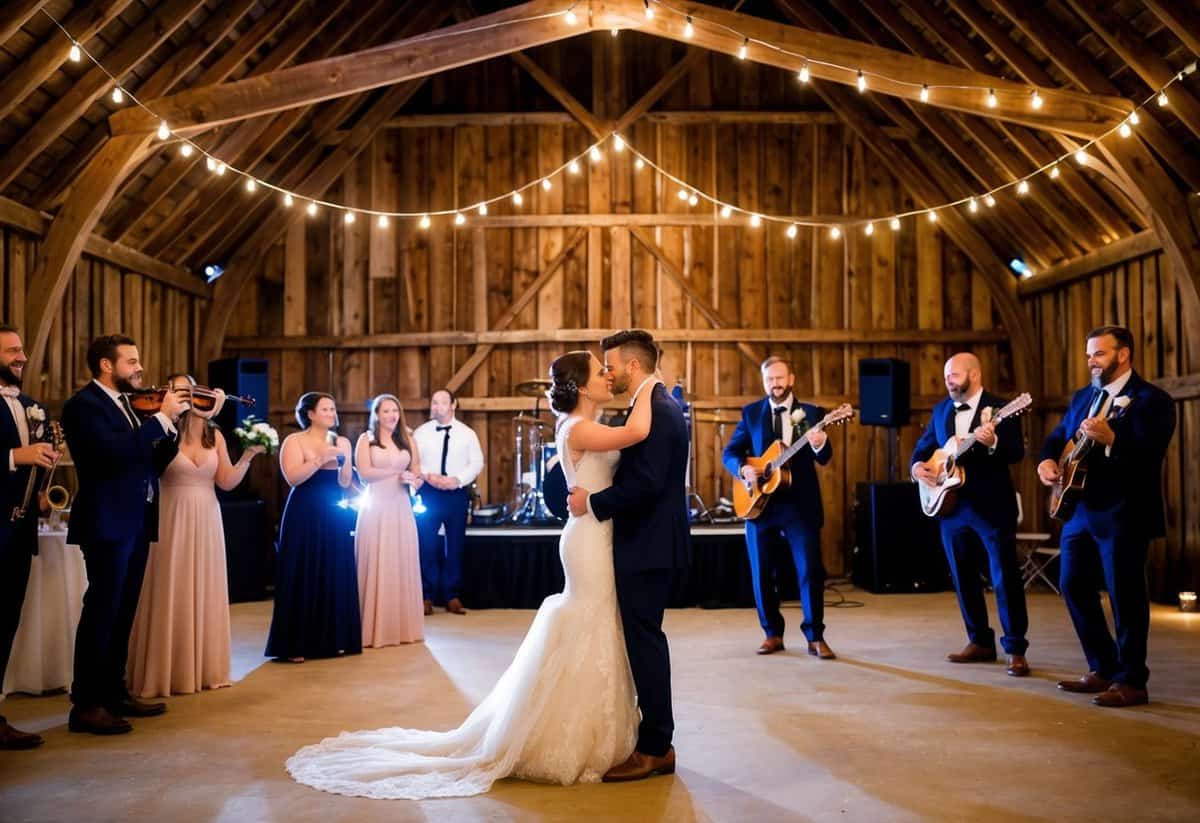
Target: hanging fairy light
column 594, row 154
column 163, row 132
column 804, row 74
column 483, row 209
column 618, row 143
column 792, row 230
column 546, row 184
column 835, row 232
column 894, row 223
column 862, row 81
column 1081, row 157
column 689, row 30
column 1162, row 99
column 517, row 198
column 869, row 229
column 348, row 218
column 459, row 218
column 186, row 149
column 649, row 11
column 118, row 96
column 311, row 208
column 1054, row 172
column 924, row 93
column 973, row 205
column 992, row 100
column 425, row 221
column 382, row 222
column 1035, row 99
column 744, row 50
column 288, row 200
column 932, row 215
column 570, row 17
column 990, row 201
column 1023, row 187
column 252, row 186
column 755, row 221
column 726, row 212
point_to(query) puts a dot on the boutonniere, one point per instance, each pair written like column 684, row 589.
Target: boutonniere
column 798, row 421
column 986, row 415
column 36, row 415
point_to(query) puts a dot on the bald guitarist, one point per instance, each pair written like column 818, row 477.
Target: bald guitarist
column 986, row 512
column 794, row 515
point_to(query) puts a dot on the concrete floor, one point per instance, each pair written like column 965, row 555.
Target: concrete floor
column 888, row 732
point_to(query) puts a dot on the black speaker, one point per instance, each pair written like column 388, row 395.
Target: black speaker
column 897, row 548
column 248, row 550
column 243, row 376
column 883, row 392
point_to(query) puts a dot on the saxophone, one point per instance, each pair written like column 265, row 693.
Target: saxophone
column 57, row 497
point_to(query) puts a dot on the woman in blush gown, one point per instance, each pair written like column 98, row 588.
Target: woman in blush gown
column 385, row 537
column 564, row 710
column 316, row 581
column 180, row 641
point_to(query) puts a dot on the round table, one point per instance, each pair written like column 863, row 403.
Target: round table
column 44, row 648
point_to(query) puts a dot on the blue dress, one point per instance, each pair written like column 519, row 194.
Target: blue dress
column 316, row 577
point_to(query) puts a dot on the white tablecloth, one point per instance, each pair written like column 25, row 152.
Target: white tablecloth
column 44, row 647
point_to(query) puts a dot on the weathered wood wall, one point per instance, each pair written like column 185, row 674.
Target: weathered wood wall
column 1141, row 294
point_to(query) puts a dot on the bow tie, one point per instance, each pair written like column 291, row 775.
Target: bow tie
column 443, row 428
column 959, row 408
column 10, row 391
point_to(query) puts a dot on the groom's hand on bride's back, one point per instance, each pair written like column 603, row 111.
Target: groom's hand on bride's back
column 577, row 501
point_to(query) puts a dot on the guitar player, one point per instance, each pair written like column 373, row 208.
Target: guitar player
column 1111, row 524
column 793, row 515
column 986, row 512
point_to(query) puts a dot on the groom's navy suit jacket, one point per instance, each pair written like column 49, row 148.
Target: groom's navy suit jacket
column 801, row 499
column 647, row 501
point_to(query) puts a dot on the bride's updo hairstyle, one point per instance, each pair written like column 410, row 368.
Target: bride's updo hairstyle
column 568, row 373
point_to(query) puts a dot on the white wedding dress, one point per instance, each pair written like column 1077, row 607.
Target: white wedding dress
column 563, row 712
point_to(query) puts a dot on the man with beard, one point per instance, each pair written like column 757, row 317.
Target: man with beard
column 1118, row 511
column 18, row 539
column 113, row 520
column 986, row 511
column 794, row 515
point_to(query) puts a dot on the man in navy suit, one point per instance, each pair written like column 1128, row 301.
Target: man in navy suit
column 113, row 520
column 986, row 512
column 1119, row 511
column 20, row 454
column 647, row 503
column 794, row 514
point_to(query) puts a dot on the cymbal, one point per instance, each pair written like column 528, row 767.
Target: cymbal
column 532, row 388
column 716, row 417
column 527, row 420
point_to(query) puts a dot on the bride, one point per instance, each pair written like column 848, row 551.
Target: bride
column 564, row 711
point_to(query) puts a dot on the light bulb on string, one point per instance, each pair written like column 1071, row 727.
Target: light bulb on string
column 869, row 230
column 682, row 194
column 615, row 32
column 992, row 100
column 1125, row 129
column 288, row 200
column 348, row 218
column 804, row 74
column 220, row 169
column 726, row 212
column 570, row 17
column 693, row 200
column 649, row 11
column 1035, row 99
column 973, row 205
column 517, row 198
column 755, row 221
column 1081, row 157
column 185, row 149
column 862, row 81
column 382, row 222
column 792, row 230
column 933, row 217
column 990, row 201
column 545, row 184
column 924, row 93
column 312, row 207
column 483, row 209
column 835, row 232
column 1162, row 98
column 76, row 54
column 251, row 185
column 459, row 218
column 1134, row 119
column 163, row 132
column 118, row 96
column 618, row 143
column 210, row 163
column 425, row 221
column 595, row 154
column 573, row 167
column 745, row 49
column 688, row 29
column 1023, row 187
column 894, row 223
column 639, row 164
column 1054, row 172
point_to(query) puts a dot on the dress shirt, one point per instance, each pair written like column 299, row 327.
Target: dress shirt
column 464, row 457
column 21, row 422
column 1114, row 389
column 962, row 419
column 786, row 428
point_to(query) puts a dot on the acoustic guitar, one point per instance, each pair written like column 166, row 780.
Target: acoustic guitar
column 939, row 497
column 749, row 499
column 1072, row 471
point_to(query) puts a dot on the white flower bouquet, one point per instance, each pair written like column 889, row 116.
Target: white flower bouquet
column 255, row 432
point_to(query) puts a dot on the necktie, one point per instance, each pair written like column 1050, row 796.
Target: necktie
column 445, row 445
column 779, row 410
column 128, row 409
column 959, row 408
column 1097, row 402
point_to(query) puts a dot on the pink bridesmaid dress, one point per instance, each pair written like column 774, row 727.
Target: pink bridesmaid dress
column 180, row 642
column 389, row 563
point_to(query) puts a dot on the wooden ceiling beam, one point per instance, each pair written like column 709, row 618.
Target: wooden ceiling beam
column 37, row 68
column 1094, row 262
column 1128, row 44
column 199, row 45
column 1179, row 19
column 121, row 224
column 15, row 14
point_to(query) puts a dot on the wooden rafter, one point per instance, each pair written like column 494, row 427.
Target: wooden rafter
column 15, row 14
column 132, row 49
column 83, row 24
column 1181, row 21
column 1115, row 253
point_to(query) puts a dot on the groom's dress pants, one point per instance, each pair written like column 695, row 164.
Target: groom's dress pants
column 441, row 568
column 643, row 597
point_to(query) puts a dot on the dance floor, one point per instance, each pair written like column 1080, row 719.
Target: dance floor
column 889, row 732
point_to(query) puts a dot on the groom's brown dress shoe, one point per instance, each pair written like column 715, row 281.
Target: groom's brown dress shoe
column 1120, row 696
column 428, row 607
column 820, row 649
column 640, row 766
column 771, row 645
column 1018, row 666
column 973, row 653
column 455, row 606
column 97, row 720
column 14, row 739
column 1090, row 683
column 132, row 707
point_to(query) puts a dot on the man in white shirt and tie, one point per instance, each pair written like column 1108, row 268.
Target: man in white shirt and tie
column 451, row 455
column 19, row 451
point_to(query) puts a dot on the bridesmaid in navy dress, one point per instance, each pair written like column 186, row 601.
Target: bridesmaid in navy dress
column 316, row 577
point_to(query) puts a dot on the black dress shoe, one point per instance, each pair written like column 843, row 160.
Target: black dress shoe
column 14, row 739
column 97, row 720
column 132, row 707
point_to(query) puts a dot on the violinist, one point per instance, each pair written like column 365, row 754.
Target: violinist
column 113, row 520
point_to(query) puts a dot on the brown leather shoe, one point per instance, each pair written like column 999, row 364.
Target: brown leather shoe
column 428, row 607
column 14, row 739
column 97, row 720
column 1018, row 666
column 820, row 649
column 1120, row 696
column 771, row 645
column 455, row 606
column 973, row 653
column 1090, row 683
column 640, row 766
column 132, row 707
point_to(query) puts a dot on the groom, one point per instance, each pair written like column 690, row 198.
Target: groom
column 647, row 504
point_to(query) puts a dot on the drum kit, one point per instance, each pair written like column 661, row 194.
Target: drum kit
column 540, row 489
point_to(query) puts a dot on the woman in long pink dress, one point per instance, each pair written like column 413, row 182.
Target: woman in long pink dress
column 385, row 537
column 180, row 642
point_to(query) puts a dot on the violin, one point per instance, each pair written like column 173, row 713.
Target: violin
column 148, row 402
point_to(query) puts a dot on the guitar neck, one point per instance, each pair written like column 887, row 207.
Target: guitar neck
column 794, row 449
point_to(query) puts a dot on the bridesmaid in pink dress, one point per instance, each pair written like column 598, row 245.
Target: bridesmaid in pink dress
column 180, row 642
column 385, row 538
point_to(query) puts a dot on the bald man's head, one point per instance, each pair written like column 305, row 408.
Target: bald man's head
column 963, row 375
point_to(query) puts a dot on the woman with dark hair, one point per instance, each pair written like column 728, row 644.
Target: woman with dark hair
column 564, row 710
column 386, row 544
column 316, row 582
column 180, row 642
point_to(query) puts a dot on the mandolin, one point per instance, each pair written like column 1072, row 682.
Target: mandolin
column 749, row 499
column 939, row 498
column 1072, row 471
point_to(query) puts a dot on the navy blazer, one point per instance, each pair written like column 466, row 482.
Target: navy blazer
column 755, row 432
column 989, row 488
column 21, row 536
column 1127, row 483
column 647, row 501
column 116, row 468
